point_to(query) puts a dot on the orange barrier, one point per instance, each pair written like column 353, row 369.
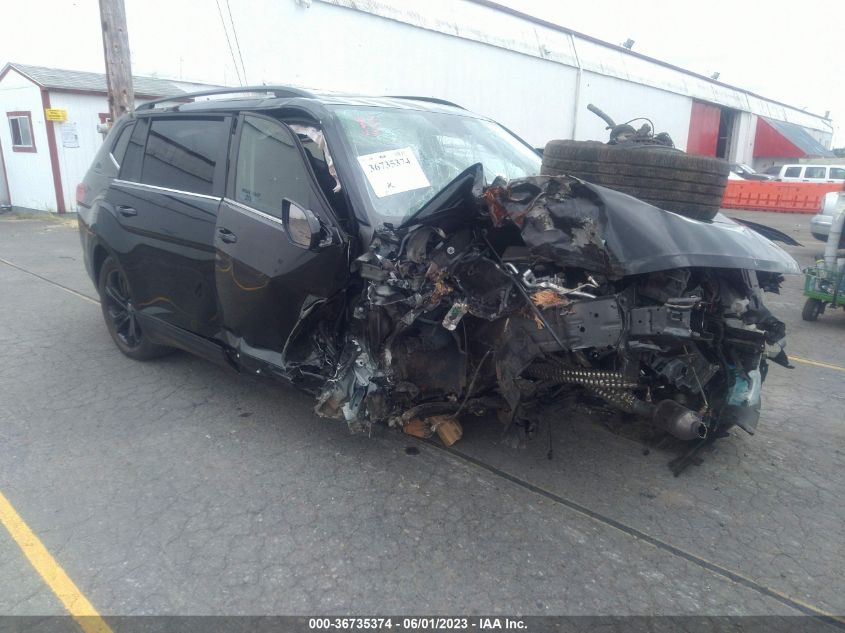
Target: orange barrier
column 784, row 197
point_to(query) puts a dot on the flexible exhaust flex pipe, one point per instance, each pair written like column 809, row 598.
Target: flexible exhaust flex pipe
column 611, row 387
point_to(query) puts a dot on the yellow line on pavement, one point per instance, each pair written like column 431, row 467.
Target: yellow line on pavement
column 815, row 363
column 59, row 582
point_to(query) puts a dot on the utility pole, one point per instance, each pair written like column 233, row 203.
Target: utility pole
column 116, row 52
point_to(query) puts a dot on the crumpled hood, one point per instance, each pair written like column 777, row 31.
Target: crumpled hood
column 575, row 223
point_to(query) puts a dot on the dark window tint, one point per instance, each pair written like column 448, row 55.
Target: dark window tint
column 774, row 170
column 270, row 167
column 130, row 166
column 837, row 173
column 815, row 172
column 118, row 149
column 183, row 153
column 792, row 172
column 20, row 127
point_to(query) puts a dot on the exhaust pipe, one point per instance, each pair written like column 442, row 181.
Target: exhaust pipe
column 679, row 421
column 668, row 415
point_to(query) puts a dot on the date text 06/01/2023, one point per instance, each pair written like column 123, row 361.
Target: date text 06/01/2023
column 417, row 624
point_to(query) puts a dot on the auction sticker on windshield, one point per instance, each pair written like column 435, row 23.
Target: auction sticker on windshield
column 393, row 172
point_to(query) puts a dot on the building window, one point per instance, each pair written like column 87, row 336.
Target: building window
column 20, row 127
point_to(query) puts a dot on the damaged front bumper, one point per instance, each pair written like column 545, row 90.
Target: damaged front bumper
column 549, row 289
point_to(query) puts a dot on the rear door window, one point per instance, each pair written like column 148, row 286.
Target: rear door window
column 118, row 148
column 792, row 172
column 186, row 154
column 133, row 156
column 815, row 172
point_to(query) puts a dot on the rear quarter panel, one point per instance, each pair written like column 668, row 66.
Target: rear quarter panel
column 94, row 225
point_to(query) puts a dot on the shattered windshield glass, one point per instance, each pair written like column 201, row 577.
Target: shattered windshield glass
column 404, row 157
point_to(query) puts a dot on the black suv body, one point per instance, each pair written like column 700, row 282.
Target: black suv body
column 403, row 259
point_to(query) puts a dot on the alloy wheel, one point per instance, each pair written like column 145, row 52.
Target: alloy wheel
column 120, row 309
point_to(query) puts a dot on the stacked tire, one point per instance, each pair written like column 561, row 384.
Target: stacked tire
column 689, row 185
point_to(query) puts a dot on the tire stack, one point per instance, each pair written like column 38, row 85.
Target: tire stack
column 690, row 185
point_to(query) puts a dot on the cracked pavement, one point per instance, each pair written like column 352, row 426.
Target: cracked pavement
column 175, row 487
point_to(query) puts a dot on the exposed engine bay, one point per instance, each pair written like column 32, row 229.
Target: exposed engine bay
column 551, row 289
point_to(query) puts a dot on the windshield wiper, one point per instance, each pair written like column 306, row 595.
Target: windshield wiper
column 466, row 185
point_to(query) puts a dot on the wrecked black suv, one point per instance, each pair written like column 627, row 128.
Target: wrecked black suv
column 403, row 260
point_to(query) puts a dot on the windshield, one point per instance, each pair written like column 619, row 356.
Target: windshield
column 402, row 158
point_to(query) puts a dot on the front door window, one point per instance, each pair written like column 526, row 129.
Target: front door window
column 270, row 167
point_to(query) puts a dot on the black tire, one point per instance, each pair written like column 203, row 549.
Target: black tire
column 812, row 309
column 689, row 185
column 119, row 314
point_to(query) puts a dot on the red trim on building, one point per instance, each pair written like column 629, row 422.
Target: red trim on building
column 9, row 67
column 28, row 115
column 703, row 128
column 54, row 154
column 5, row 176
column 769, row 143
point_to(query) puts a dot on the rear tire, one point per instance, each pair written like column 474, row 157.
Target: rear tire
column 812, row 309
column 692, row 186
column 120, row 316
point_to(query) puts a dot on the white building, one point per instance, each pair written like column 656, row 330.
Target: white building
column 42, row 161
column 534, row 77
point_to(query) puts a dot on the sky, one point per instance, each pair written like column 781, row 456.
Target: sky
column 787, row 51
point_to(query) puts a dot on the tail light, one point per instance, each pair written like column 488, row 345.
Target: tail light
column 81, row 193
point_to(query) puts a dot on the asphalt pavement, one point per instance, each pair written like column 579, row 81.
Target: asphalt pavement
column 176, row 487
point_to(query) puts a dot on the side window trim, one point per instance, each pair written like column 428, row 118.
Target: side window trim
column 325, row 212
column 142, row 185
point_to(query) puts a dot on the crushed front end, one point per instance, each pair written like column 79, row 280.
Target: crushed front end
column 551, row 289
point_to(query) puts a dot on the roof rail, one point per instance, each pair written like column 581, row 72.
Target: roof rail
column 427, row 99
column 276, row 91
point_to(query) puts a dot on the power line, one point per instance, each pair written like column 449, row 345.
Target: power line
column 231, row 51
column 237, row 43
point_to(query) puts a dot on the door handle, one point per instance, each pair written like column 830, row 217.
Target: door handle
column 126, row 212
column 227, row 236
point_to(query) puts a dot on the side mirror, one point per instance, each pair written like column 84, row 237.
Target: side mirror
column 302, row 226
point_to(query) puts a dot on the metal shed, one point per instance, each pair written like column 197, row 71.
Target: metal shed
column 51, row 135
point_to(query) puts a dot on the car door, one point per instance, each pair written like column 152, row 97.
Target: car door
column 270, row 272
column 166, row 201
